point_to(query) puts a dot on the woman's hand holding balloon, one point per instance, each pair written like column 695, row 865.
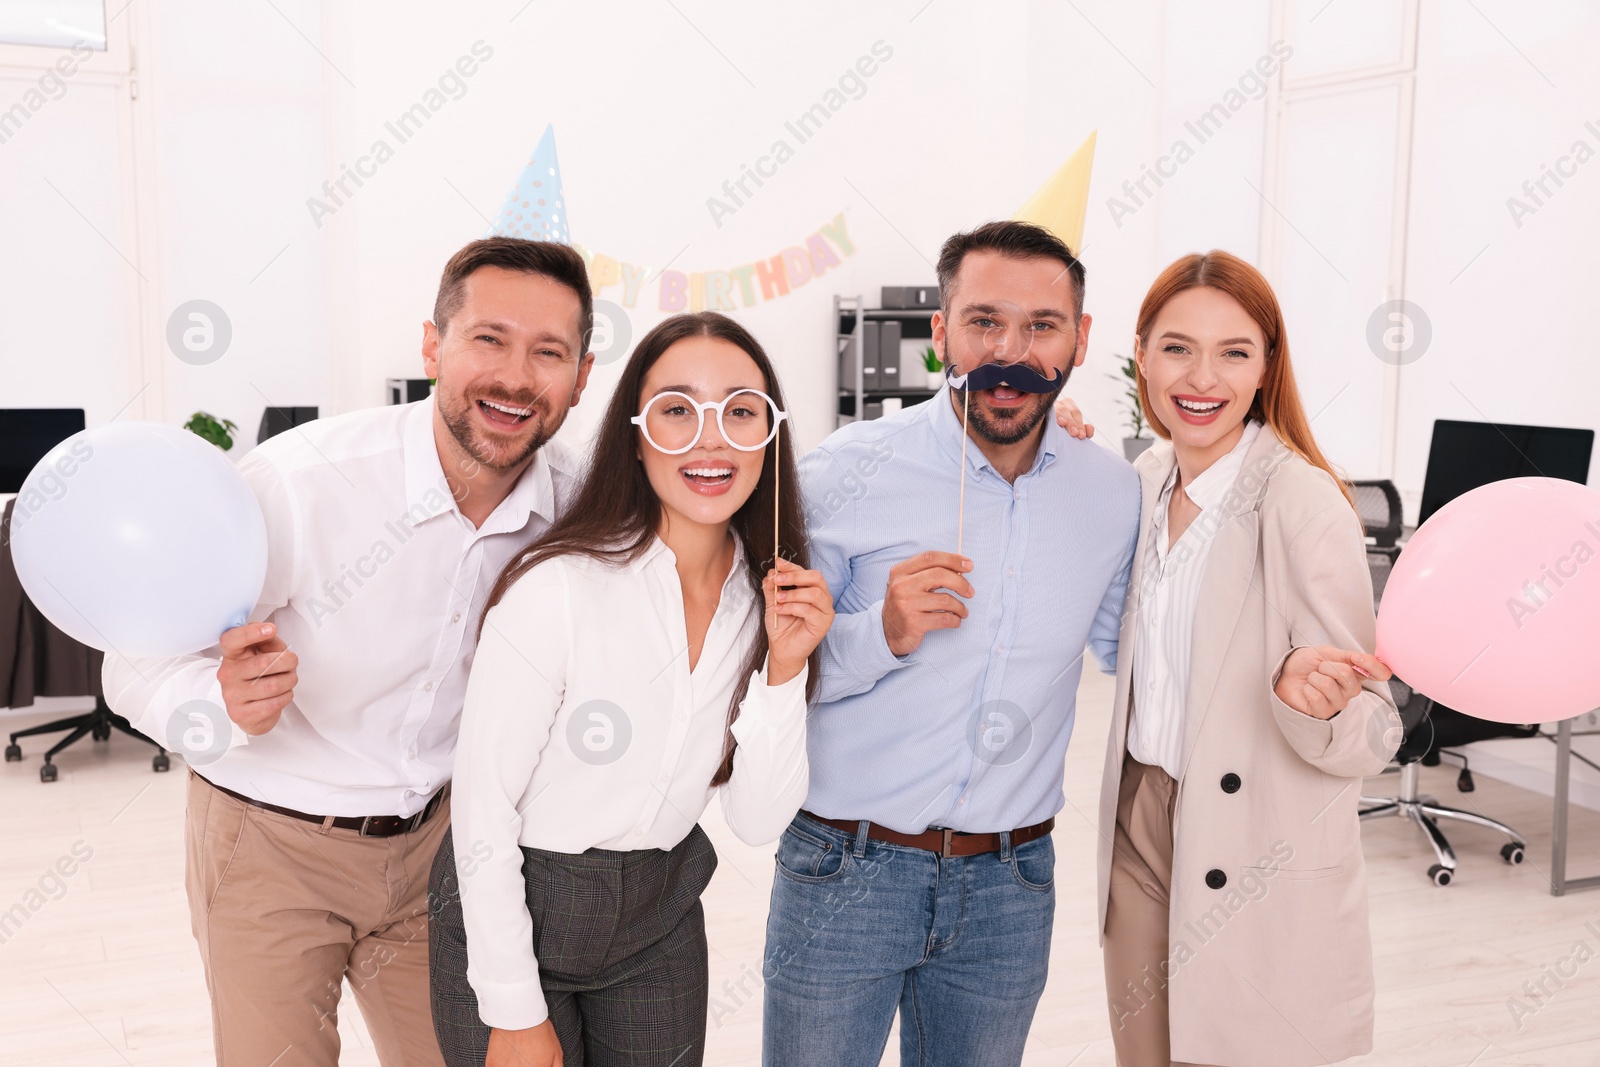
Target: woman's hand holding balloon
column 1320, row 680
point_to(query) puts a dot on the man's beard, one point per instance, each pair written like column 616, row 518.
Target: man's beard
column 490, row 454
column 1014, row 424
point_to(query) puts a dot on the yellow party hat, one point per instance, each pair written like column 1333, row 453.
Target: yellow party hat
column 1060, row 204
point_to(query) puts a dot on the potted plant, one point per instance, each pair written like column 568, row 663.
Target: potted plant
column 934, row 366
column 1128, row 378
column 218, row 431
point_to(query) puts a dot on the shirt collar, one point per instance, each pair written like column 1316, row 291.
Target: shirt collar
column 946, row 425
column 428, row 492
column 658, row 552
column 1213, row 483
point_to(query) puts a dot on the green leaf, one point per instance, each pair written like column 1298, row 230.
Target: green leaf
column 208, row 427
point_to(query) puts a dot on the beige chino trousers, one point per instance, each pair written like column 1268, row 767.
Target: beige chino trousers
column 285, row 910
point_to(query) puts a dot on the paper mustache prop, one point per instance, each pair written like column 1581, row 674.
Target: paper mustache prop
column 1018, row 376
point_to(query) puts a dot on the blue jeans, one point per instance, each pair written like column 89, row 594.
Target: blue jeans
column 859, row 928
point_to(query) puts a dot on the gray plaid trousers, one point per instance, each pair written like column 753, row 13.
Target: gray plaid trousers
column 621, row 941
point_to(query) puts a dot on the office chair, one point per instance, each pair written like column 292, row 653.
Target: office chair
column 97, row 724
column 1430, row 728
column 1378, row 503
column 40, row 660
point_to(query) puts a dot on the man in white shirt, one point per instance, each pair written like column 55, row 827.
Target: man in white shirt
column 323, row 731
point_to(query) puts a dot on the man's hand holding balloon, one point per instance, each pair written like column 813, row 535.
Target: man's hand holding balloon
column 258, row 675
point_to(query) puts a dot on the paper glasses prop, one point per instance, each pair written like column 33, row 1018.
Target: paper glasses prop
column 748, row 420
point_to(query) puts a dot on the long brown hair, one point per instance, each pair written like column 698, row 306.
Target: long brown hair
column 1277, row 402
column 615, row 513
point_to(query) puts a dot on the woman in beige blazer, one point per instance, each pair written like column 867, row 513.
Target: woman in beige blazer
column 1233, row 901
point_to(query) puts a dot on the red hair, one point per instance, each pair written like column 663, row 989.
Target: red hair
column 1277, row 401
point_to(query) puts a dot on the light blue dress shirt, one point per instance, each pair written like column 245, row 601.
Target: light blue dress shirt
column 968, row 731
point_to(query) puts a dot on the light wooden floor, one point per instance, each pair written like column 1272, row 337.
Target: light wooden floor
column 108, row 973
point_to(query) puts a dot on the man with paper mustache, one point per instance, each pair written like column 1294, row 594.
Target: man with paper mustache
column 918, row 876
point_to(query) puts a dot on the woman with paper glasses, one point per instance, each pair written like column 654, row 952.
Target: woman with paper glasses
column 652, row 649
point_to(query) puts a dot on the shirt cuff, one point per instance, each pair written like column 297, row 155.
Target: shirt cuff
column 511, row 1005
column 875, row 651
column 1306, row 733
column 767, row 701
column 236, row 736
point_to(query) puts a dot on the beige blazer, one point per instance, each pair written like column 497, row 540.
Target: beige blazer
column 1274, row 968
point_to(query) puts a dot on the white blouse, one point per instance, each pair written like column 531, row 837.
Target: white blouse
column 585, row 728
column 1168, row 594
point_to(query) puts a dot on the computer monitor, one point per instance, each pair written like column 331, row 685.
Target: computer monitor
column 26, row 434
column 1465, row 455
column 276, row 420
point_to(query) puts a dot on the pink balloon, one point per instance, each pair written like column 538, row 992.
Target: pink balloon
column 1493, row 607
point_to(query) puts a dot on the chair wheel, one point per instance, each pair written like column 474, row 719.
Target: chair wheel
column 1464, row 782
column 13, row 753
column 101, row 733
column 1440, row 874
column 47, row 772
column 1512, row 853
column 160, row 762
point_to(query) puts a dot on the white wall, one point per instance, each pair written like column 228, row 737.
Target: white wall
column 243, row 112
column 236, row 133
column 972, row 111
column 69, row 248
column 1511, row 305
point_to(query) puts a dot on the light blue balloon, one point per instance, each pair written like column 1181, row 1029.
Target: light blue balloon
column 140, row 539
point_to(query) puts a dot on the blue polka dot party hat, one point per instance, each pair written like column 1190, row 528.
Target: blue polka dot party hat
column 535, row 208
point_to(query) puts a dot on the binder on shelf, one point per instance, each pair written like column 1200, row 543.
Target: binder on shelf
column 870, row 355
column 849, row 354
column 908, row 297
column 889, row 355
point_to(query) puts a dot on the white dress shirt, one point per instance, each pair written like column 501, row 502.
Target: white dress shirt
column 1168, row 593
column 376, row 581
column 585, row 728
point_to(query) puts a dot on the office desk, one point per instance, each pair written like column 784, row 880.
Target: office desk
column 1560, row 884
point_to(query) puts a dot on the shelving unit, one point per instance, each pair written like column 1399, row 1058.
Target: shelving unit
column 849, row 315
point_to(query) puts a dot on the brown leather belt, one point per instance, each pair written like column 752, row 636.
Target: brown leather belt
column 365, row 825
column 945, row 842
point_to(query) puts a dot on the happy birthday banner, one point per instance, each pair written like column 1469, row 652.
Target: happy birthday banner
column 536, row 210
column 714, row 290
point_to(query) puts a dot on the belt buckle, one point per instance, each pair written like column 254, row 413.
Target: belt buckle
column 944, row 849
column 402, row 826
